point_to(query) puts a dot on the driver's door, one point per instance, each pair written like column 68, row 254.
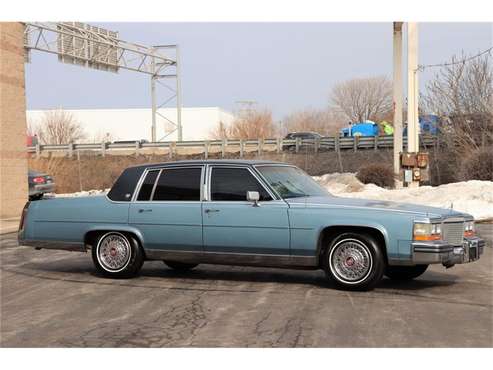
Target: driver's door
column 231, row 224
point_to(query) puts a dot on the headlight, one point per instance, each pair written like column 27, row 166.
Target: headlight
column 469, row 229
column 425, row 231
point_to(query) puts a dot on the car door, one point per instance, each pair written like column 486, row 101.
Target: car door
column 231, row 224
column 167, row 209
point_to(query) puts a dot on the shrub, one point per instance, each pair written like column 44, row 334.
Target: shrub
column 378, row 174
column 478, row 165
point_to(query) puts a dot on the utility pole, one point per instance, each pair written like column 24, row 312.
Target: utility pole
column 397, row 99
column 178, row 95
column 412, row 92
column 153, row 101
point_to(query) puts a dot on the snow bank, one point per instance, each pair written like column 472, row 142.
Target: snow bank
column 81, row 193
column 474, row 197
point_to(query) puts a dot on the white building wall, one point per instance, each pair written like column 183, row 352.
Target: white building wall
column 135, row 124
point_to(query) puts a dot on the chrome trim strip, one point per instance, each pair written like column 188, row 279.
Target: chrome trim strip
column 328, row 205
column 53, row 244
column 155, row 184
column 241, row 259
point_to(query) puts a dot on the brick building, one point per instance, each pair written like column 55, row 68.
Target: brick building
column 13, row 160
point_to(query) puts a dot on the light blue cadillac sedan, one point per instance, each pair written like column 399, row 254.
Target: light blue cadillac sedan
column 252, row 213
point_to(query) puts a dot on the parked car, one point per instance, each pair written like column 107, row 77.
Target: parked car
column 307, row 140
column 39, row 184
column 253, row 213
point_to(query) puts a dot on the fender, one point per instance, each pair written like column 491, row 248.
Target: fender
column 346, row 223
column 117, row 227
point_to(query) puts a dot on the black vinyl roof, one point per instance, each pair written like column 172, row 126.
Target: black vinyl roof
column 249, row 162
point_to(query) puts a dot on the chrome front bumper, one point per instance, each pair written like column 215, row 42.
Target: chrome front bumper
column 425, row 253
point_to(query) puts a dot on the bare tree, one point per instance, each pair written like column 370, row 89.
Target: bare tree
column 59, row 127
column 220, row 131
column 363, row 99
column 462, row 93
column 254, row 124
column 325, row 122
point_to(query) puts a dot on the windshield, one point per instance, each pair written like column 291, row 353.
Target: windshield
column 291, row 182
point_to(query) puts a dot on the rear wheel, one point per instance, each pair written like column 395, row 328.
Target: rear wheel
column 117, row 255
column 354, row 261
column 405, row 272
column 181, row 266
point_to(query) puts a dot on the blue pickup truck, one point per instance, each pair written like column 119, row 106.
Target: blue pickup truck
column 253, row 213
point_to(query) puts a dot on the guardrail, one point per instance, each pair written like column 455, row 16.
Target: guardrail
column 236, row 146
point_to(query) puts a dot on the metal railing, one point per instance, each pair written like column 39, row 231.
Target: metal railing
column 241, row 147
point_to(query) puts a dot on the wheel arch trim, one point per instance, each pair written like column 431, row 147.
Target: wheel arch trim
column 374, row 227
column 117, row 228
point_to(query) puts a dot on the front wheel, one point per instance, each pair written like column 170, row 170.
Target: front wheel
column 405, row 272
column 117, row 255
column 354, row 261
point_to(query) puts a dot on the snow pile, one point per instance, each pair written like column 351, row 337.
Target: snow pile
column 474, row 197
column 82, row 193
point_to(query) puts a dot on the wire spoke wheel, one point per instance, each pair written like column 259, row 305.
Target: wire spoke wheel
column 113, row 252
column 350, row 261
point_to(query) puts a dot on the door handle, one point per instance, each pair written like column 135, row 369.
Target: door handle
column 208, row 210
column 145, row 210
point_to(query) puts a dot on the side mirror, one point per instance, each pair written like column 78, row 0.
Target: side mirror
column 253, row 196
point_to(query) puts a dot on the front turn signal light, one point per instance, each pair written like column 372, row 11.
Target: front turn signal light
column 427, row 232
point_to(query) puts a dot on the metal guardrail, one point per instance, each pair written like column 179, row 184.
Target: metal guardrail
column 242, row 146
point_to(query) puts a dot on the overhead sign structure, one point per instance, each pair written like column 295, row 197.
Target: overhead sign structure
column 88, row 46
column 98, row 48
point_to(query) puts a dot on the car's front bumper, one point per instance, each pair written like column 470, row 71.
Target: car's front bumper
column 425, row 253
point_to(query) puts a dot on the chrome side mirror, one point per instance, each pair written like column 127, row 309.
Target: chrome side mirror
column 253, row 196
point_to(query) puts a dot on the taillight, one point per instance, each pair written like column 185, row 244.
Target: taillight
column 39, row 180
column 23, row 216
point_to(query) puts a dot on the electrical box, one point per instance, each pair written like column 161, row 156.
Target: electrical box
column 408, row 176
column 415, row 167
column 422, row 160
column 408, row 159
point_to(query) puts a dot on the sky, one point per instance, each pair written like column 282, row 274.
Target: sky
column 284, row 67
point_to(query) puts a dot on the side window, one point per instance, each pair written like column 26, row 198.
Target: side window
column 232, row 184
column 147, row 186
column 181, row 184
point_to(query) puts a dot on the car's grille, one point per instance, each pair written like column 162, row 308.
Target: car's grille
column 453, row 232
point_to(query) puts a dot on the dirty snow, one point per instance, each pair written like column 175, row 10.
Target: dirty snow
column 474, row 197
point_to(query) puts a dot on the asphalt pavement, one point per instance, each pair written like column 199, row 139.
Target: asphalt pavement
column 56, row 299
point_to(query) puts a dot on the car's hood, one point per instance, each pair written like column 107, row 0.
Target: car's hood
column 382, row 205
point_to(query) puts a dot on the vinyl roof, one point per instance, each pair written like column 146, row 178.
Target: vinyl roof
column 209, row 161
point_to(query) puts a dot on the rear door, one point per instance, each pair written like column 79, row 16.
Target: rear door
column 167, row 209
column 234, row 225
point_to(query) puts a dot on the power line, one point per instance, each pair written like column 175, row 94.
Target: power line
column 423, row 67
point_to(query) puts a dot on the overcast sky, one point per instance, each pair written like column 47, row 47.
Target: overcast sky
column 283, row 66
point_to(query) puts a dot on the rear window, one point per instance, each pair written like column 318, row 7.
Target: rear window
column 124, row 186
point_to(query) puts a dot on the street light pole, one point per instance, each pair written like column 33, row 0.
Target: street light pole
column 397, row 99
column 412, row 92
